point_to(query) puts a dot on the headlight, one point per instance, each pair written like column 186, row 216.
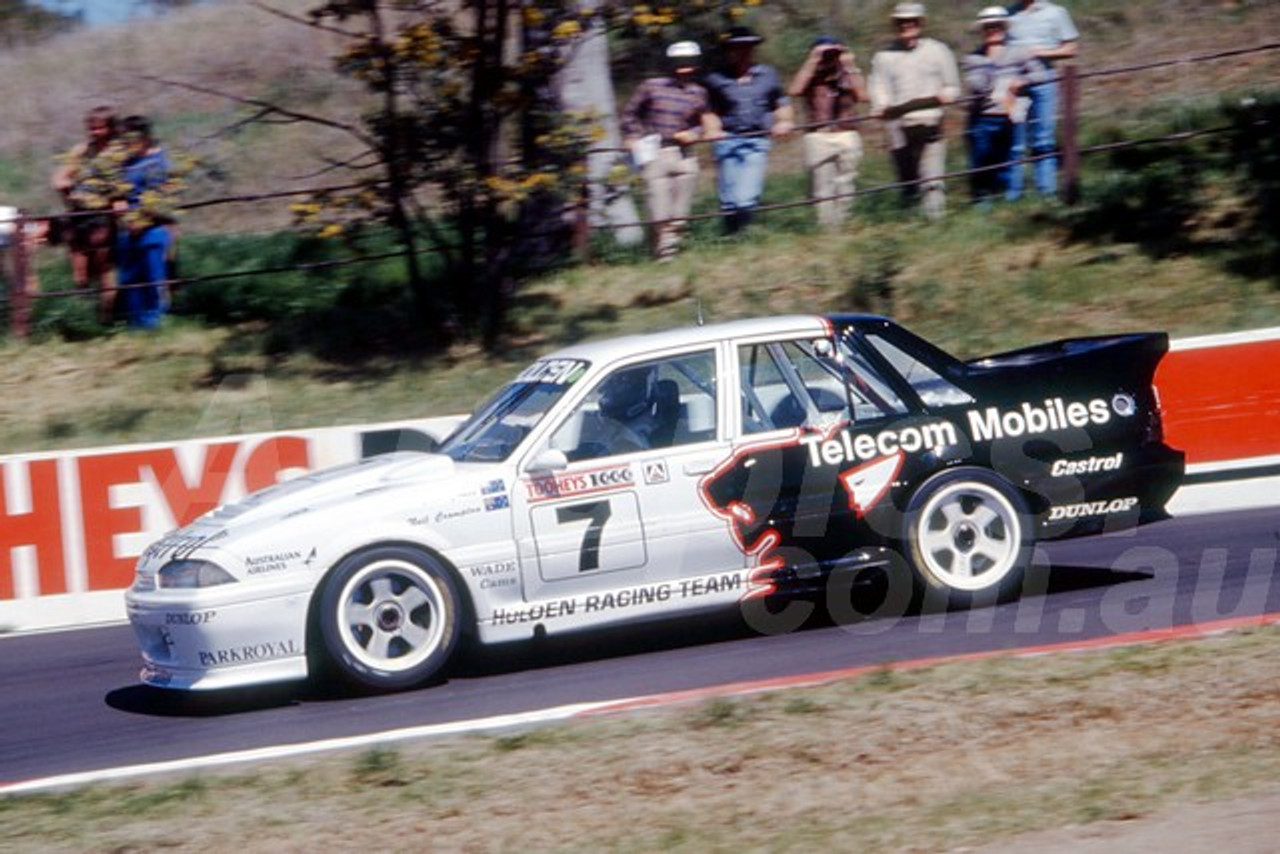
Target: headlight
column 189, row 574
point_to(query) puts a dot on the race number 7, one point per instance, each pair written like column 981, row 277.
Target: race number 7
column 595, row 513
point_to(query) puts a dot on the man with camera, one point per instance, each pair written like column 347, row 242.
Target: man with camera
column 830, row 85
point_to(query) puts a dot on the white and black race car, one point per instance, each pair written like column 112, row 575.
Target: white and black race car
column 656, row 475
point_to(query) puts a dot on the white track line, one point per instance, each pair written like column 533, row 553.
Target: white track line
column 263, row 754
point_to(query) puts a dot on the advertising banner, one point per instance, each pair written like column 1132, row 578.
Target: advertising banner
column 73, row 523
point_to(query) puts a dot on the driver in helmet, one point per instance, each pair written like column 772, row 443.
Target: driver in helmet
column 628, row 401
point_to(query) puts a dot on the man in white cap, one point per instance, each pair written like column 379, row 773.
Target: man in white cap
column 911, row 81
column 996, row 76
column 1048, row 30
column 660, row 124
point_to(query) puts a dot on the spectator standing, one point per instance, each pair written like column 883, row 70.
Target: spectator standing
column 830, row 85
column 912, row 79
column 1048, row 30
column 748, row 108
column 85, row 180
column 143, row 237
column 660, row 124
column 996, row 75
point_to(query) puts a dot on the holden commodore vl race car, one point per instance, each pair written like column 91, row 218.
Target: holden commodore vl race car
column 662, row 474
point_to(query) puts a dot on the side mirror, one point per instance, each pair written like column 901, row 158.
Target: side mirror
column 548, row 460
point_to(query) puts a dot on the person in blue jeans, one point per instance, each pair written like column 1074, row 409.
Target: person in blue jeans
column 143, row 236
column 749, row 108
column 1048, row 30
column 996, row 75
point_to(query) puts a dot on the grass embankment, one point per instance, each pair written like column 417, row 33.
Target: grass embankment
column 974, row 283
column 930, row 760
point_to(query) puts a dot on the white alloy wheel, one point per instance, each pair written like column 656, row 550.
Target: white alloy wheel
column 389, row 617
column 967, row 531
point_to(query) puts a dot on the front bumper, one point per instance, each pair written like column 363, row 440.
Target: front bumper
column 200, row 643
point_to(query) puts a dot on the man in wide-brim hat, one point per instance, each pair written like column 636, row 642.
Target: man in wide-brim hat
column 748, row 109
column 996, row 75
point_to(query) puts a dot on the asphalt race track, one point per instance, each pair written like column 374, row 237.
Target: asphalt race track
column 70, row 701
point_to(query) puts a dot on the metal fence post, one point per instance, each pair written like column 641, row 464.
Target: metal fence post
column 19, row 298
column 1070, row 135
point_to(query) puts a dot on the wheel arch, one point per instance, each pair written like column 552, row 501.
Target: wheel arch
column 1032, row 501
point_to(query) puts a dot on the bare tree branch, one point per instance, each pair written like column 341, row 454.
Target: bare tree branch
column 268, row 109
column 353, row 164
column 306, row 22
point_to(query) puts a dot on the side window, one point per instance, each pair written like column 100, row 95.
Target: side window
column 934, row 390
column 764, row 391
column 809, row 383
column 659, row 404
column 820, row 375
column 873, row 397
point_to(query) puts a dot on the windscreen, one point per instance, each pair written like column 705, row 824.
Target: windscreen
column 498, row 427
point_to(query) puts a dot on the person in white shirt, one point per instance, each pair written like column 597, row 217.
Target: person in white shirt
column 1048, row 30
column 911, row 81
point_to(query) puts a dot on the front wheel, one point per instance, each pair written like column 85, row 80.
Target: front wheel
column 968, row 535
column 389, row 617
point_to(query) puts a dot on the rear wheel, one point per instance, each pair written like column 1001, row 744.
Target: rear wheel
column 389, row 617
column 968, row 535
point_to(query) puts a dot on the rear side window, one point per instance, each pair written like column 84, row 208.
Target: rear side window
column 810, row 383
column 933, row 388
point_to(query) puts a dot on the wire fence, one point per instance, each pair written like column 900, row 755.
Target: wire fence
column 24, row 232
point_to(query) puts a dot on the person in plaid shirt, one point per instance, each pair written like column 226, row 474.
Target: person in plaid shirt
column 660, row 124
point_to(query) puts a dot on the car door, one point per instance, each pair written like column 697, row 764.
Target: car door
column 619, row 506
column 805, row 468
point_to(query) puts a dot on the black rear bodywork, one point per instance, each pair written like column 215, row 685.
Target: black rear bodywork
column 1025, row 422
column 1073, row 426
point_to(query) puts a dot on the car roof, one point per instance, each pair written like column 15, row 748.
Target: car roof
column 611, row 349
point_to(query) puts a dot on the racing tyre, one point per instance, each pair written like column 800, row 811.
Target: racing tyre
column 389, row 617
column 968, row 537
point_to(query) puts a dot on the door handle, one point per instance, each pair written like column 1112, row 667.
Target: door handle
column 697, row 467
